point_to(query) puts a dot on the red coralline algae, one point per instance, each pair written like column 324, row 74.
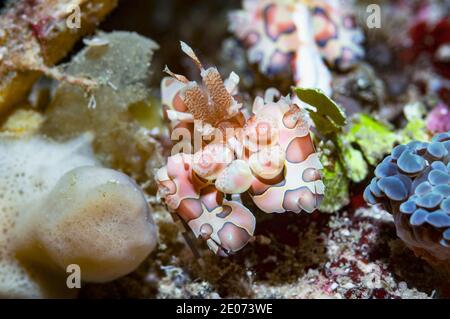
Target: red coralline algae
column 438, row 120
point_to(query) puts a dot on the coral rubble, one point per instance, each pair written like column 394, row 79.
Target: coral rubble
column 35, row 35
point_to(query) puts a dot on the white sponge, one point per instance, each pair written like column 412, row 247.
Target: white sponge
column 57, row 208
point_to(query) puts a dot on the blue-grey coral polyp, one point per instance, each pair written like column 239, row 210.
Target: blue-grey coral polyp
column 413, row 183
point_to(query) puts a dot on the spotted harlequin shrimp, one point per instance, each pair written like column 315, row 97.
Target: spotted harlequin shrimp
column 268, row 155
column 286, row 168
column 293, row 34
column 225, row 225
column 336, row 34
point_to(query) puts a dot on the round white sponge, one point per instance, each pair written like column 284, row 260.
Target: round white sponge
column 96, row 218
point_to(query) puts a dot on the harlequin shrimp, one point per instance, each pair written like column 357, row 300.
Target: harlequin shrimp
column 281, row 35
column 268, row 155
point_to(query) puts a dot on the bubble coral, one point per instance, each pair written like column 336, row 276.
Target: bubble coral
column 269, row 156
column 291, row 34
column 413, row 183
